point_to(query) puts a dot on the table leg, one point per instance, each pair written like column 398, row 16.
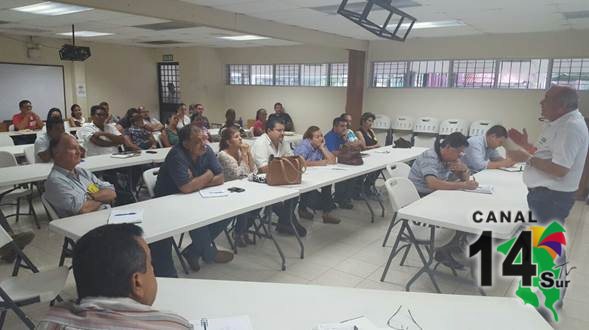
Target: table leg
column 266, row 225
column 426, row 263
column 394, row 251
column 291, row 204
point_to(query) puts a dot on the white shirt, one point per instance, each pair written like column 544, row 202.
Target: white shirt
column 41, row 145
column 86, row 132
column 184, row 122
column 263, row 148
column 565, row 141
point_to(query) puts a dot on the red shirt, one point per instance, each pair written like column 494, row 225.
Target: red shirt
column 16, row 119
column 259, row 128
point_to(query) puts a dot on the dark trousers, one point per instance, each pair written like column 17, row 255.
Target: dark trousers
column 202, row 240
column 244, row 221
column 317, row 200
column 284, row 211
column 161, row 258
column 548, row 205
column 344, row 190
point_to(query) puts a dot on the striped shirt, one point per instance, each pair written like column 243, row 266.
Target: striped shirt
column 110, row 313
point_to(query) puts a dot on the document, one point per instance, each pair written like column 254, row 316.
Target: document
column 125, row 216
column 519, row 167
column 241, row 322
column 483, row 189
column 213, row 192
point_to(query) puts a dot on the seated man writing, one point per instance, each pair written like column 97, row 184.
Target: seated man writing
column 190, row 166
column 71, row 189
column 116, row 285
column 482, row 153
column 441, row 169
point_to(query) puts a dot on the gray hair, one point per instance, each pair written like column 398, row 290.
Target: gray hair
column 568, row 97
column 186, row 132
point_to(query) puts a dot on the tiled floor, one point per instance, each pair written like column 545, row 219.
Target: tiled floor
column 349, row 254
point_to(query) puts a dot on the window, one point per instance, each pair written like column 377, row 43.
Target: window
column 338, row 76
column 474, row 73
column 262, row 74
column 169, row 77
column 523, row 74
column 571, row 72
column 238, row 74
column 314, row 74
column 389, row 74
column 432, row 74
column 287, row 75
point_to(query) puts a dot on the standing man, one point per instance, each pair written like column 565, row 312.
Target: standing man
column 482, row 153
column 26, row 119
column 555, row 164
column 280, row 114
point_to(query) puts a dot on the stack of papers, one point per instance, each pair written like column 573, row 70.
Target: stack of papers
column 125, row 216
column 226, row 323
column 483, row 189
column 213, row 192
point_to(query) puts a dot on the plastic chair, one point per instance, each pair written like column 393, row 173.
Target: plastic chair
column 11, row 128
column 30, row 154
column 149, row 178
column 403, row 123
column 401, row 193
column 480, row 127
column 42, row 286
column 398, row 170
column 17, row 192
column 382, row 122
column 425, row 132
column 6, row 140
column 450, row 126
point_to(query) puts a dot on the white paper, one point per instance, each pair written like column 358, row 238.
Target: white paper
column 125, row 216
column 241, row 322
column 360, row 323
column 214, row 192
column 515, row 168
column 122, row 156
column 483, row 189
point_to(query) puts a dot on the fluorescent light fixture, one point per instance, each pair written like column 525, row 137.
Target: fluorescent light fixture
column 51, row 8
column 246, row 37
column 86, row 34
column 430, row 25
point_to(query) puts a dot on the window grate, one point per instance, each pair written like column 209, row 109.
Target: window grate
column 474, row 73
column 573, row 72
column 238, row 74
column 287, row 75
column 314, row 74
column 262, row 74
column 523, row 74
column 169, row 82
column 433, row 74
column 338, row 76
column 389, row 74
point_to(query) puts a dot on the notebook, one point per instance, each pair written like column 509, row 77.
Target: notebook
column 125, row 216
column 213, row 192
column 482, row 189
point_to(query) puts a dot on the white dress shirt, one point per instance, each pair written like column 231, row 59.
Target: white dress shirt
column 263, row 148
column 86, row 132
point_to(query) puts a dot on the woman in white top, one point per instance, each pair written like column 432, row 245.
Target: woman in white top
column 76, row 118
column 238, row 162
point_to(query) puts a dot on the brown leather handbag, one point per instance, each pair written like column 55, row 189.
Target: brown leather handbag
column 285, row 170
column 350, row 155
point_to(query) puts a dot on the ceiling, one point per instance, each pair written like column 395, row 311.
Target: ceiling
column 479, row 17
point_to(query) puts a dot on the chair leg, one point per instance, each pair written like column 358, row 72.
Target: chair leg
column 32, row 211
column 405, row 255
column 394, row 251
column 2, row 318
column 17, row 209
column 231, row 243
column 180, row 241
column 63, row 252
column 180, row 257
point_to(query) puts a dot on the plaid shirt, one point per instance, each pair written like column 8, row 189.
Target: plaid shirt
column 110, row 313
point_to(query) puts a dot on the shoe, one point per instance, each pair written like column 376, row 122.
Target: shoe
column 191, row 259
column 8, row 254
column 305, row 214
column 223, row 257
column 329, row 219
column 346, row 205
column 447, row 260
column 239, row 241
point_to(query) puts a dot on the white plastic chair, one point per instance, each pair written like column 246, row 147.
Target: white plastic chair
column 17, row 192
column 425, row 131
column 6, row 140
column 30, row 154
column 402, row 192
column 49, row 208
column 398, row 170
column 149, row 178
column 480, row 127
column 28, row 289
column 450, row 126
column 403, row 123
column 158, row 139
column 11, row 128
column 381, row 122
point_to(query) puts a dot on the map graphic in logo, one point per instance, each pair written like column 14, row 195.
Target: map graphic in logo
column 548, row 244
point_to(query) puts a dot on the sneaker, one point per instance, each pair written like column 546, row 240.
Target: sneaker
column 191, row 259
column 8, row 254
column 330, row 219
column 223, row 257
column 305, row 214
column 447, row 260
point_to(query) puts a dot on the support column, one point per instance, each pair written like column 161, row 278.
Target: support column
column 355, row 89
column 80, row 94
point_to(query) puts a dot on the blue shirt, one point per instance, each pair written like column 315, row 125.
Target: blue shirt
column 478, row 154
column 173, row 173
column 306, row 150
column 426, row 164
column 333, row 141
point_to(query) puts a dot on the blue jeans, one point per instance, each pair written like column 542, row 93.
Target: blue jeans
column 202, row 240
column 548, row 205
column 161, row 258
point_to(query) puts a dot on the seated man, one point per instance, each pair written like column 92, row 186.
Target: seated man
column 190, row 165
column 334, row 140
column 482, row 150
column 280, row 114
column 71, row 189
column 99, row 137
column 140, row 136
column 26, row 119
column 55, row 129
column 441, row 169
column 151, row 123
column 270, row 144
column 116, row 285
column 125, row 122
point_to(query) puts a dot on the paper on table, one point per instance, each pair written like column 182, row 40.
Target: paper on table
column 214, row 192
column 515, row 168
column 483, row 189
column 241, row 322
column 360, row 323
column 125, row 216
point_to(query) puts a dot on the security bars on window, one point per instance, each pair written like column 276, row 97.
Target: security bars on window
column 573, row 72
